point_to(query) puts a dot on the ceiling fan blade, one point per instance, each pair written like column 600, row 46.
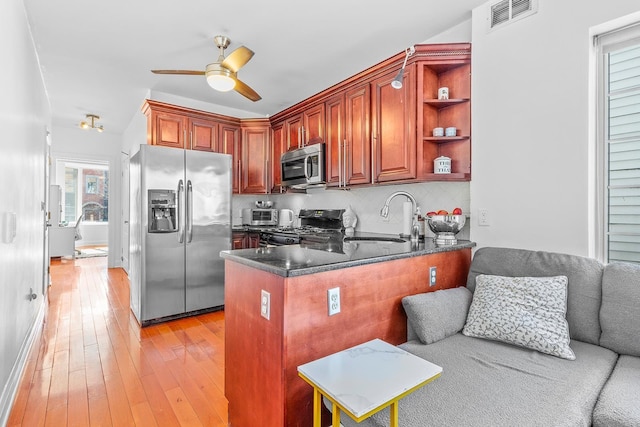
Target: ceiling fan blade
column 246, row 91
column 236, row 59
column 186, row 72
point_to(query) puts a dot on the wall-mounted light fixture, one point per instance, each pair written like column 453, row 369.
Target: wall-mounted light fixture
column 397, row 82
column 90, row 123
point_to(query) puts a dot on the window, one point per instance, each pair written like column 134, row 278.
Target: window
column 619, row 142
column 86, row 190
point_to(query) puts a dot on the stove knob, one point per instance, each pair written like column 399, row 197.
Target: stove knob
column 289, row 241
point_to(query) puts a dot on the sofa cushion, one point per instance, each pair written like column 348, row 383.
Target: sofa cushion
column 437, row 315
column 488, row 383
column 618, row 403
column 584, row 288
column 525, row 311
column 620, row 312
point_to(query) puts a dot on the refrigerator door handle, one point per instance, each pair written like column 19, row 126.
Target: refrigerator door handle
column 189, row 213
column 180, row 212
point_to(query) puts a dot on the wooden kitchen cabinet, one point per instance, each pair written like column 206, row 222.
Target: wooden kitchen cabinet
column 230, row 144
column 304, row 128
column 393, row 115
column 255, row 154
column 277, row 148
column 348, row 137
column 166, row 129
column 179, row 127
column 246, row 140
column 203, row 134
column 313, row 125
column 245, row 240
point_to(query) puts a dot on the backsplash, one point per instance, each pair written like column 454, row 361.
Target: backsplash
column 366, row 202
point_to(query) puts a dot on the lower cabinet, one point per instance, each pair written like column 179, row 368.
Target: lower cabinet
column 245, row 240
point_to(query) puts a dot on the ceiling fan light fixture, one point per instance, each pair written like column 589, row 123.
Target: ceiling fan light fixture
column 219, row 78
column 221, row 83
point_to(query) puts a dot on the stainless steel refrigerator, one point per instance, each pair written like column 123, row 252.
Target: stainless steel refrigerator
column 180, row 221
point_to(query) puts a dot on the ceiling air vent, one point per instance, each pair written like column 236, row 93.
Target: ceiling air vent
column 508, row 10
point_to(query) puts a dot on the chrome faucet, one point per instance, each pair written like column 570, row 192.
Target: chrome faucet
column 415, row 228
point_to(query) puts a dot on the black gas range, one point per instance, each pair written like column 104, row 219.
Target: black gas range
column 316, row 226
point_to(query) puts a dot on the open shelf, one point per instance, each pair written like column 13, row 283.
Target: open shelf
column 443, row 113
column 447, row 176
column 442, row 139
column 442, row 103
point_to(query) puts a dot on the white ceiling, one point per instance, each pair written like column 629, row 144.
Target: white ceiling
column 96, row 56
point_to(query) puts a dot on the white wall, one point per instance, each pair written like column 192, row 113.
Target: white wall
column 80, row 144
column 531, row 125
column 24, row 118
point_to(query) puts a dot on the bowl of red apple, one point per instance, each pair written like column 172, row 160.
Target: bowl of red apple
column 445, row 225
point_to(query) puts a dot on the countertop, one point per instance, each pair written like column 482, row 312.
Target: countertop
column 310, row 258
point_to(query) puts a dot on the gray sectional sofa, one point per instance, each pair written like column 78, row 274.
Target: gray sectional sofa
column 488, row 382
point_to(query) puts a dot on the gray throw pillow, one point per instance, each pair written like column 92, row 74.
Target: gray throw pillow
column 526, row 311
column 437, row 315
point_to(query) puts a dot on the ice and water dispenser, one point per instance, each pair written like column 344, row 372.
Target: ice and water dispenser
column 162, row 211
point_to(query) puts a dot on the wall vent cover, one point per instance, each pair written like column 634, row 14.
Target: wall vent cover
column 505, row 11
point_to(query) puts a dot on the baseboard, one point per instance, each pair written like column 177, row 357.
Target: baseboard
column 11, row 388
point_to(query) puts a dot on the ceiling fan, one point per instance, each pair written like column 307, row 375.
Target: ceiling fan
column 222, row 75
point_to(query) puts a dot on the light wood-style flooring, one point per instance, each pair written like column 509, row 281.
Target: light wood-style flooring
column 93, row 365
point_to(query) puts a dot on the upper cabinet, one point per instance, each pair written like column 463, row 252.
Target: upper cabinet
column 313, row 124
column 377, row 134
column 230, row 144
column 303, row 127
column 176, row 127
column 277, row 148
column 348, row 137
column 246, row 140
column 255, row 171
column 393, row 127
column 166, row 128
column 203, row 134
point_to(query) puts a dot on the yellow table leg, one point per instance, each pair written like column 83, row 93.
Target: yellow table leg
column 336, row 416
column 393, row 414
column 317, row 407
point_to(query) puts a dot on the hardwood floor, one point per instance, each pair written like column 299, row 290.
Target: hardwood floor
column 94, row 366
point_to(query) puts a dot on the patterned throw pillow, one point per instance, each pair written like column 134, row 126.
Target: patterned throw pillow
column 526, row 311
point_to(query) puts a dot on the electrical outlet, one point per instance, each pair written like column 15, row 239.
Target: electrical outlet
column 432, row 276
column 333, row 300
column 483, row 217
column 265, row 304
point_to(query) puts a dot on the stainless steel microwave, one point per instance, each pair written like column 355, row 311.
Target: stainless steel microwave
column 303, row 167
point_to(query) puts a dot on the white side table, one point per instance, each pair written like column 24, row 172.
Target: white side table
column 365, row 379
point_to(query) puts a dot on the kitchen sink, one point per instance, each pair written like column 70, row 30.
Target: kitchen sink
column 371, row 239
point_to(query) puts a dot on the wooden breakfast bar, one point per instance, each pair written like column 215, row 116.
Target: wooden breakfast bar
column 262, row 354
